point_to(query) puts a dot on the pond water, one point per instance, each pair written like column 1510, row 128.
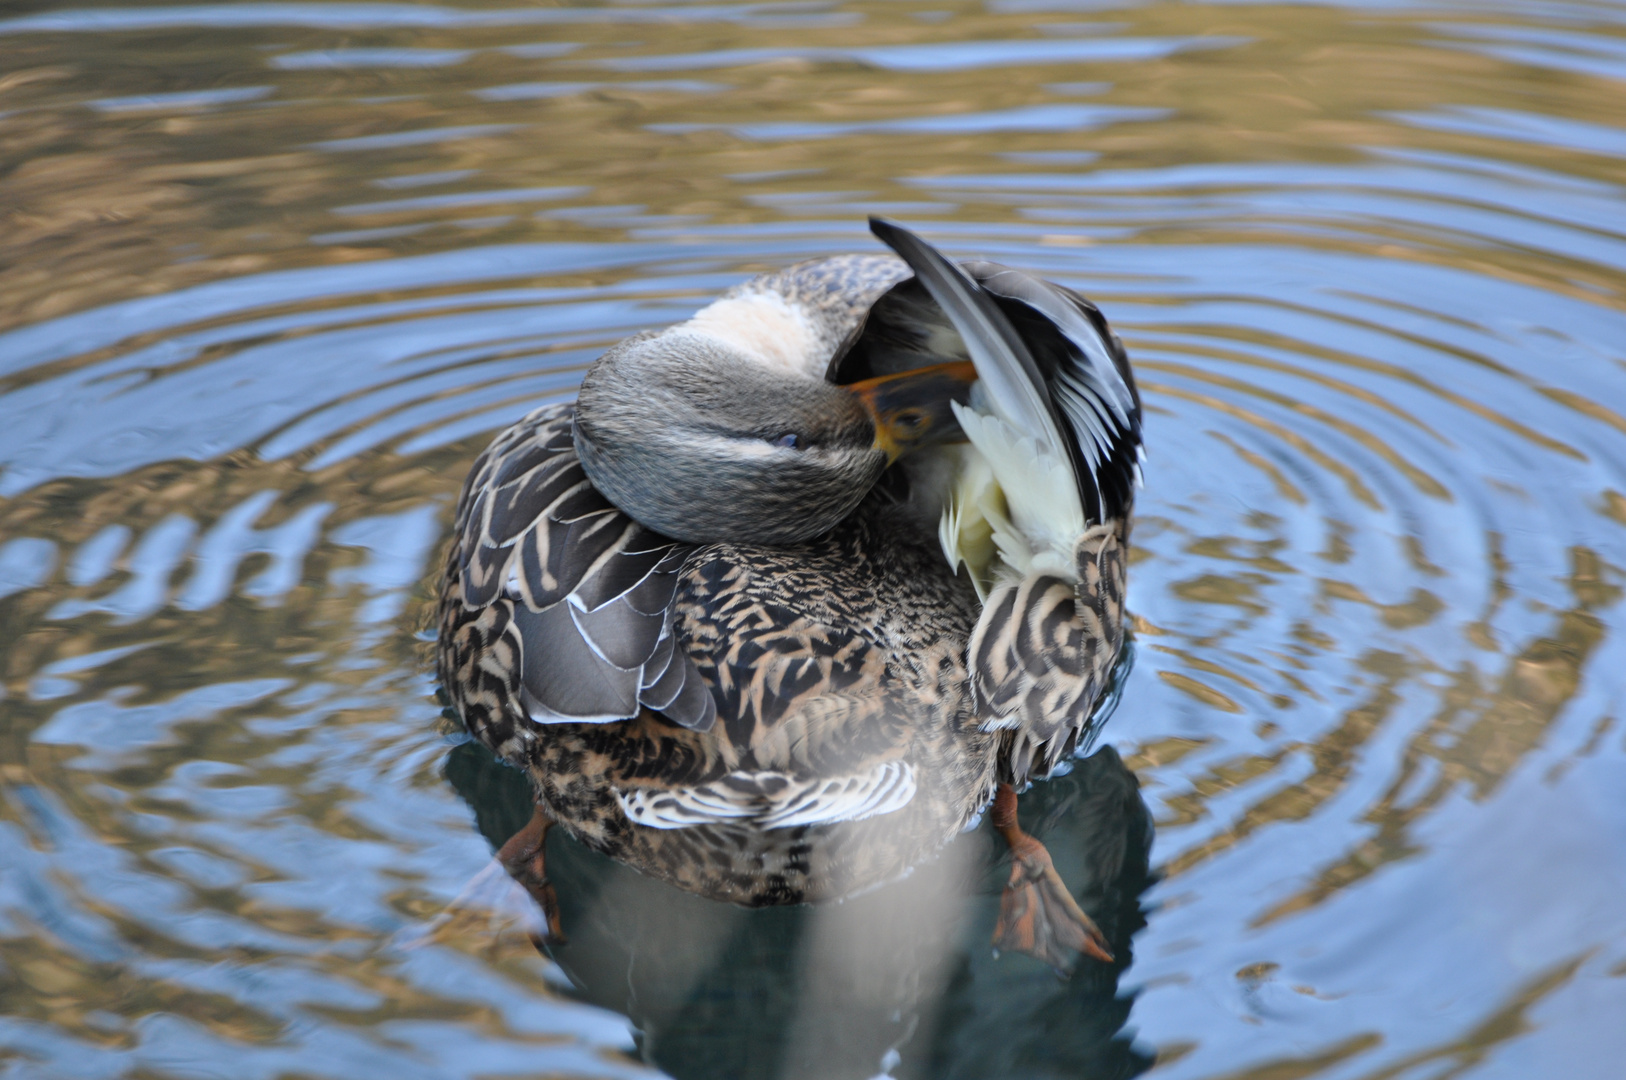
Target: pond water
column 273, row 273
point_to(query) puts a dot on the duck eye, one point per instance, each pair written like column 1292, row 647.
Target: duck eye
column 792, row 441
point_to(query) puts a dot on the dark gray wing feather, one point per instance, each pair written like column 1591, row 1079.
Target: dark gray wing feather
column 1086, row 370
column 588, row 591
column 1047, row 358
column 1004, row 365
column 628, row 571
column 618, row 634
column 562, row 678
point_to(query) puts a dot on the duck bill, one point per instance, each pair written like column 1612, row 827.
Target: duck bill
column 911, row 409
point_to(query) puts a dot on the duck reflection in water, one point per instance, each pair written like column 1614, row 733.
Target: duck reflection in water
column 802, row 586
column 899, row 979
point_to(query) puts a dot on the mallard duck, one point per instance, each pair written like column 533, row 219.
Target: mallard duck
column 798, row 588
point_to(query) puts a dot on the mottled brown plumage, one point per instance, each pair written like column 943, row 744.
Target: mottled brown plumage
column 795, row 720
column 826, row 659
column 1041, row 655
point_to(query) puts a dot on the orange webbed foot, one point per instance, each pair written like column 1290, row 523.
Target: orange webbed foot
column 1037, row 912
column 1038, row 915
column 522, row 858
column 511, row 894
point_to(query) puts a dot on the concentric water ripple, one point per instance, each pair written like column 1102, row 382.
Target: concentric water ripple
column 271, row 274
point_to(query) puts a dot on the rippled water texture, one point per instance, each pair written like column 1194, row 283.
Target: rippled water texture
column 271, row 274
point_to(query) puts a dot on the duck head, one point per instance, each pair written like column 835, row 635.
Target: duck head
column 712, row 436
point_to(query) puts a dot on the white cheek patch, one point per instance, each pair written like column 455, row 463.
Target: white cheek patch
column 722, row 446
column 766, row 328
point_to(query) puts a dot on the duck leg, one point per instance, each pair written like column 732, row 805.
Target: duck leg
column 503, row 897
column 1037, row 912
column 522, row 857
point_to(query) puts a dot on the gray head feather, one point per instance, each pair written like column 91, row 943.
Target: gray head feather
column 697, row 440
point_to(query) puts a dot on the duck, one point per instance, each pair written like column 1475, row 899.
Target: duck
column 801, row 588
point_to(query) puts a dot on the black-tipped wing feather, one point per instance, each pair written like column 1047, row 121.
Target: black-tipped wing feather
column 1047, row 357
column 581, row 593
column 1086, row 371
column 1005, row 366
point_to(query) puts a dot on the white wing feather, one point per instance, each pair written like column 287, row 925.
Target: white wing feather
column 1042, row 517
column 773, row 800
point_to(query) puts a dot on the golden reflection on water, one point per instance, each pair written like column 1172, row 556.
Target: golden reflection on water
column 104, row 198
column 271, row 281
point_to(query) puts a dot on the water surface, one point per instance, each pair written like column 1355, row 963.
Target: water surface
column 272, row 273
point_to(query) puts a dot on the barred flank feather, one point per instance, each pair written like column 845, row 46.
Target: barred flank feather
column 1043, row 651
